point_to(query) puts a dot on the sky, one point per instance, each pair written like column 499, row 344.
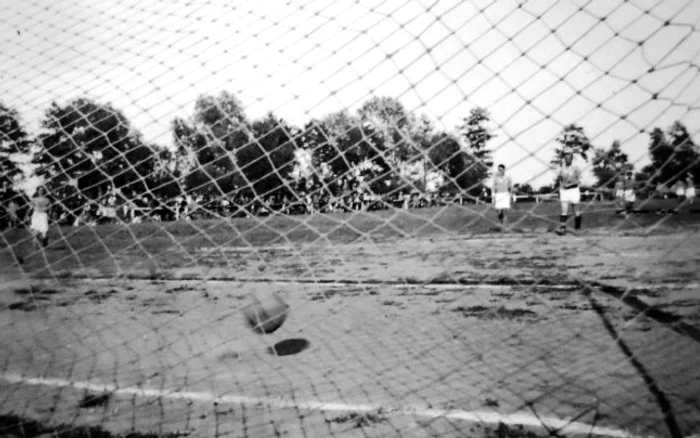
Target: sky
column 617, row 68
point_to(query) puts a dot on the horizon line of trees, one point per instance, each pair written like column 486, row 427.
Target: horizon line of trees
column 86, row 149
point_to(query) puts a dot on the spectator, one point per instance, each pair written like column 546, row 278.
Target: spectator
column 13, row 213
column 40, row 216
column 191, row 207
column 661, row 190
column 107, row 212
column 679, row 189
column 689, row 189
column 629, row 194
column 620, row 192
column 484, row 195
column 180, row 207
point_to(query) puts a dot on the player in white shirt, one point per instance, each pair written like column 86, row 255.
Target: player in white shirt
column 502, row 192
column 689, row 189
column 629, row 193
column 40, row 216
column 569, row 180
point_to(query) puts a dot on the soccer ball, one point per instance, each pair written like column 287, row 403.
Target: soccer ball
column 265, row 312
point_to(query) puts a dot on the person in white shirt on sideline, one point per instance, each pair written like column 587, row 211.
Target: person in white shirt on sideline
column 502, row 193
column 39, row 223
column 630, row 195
column 689, row 189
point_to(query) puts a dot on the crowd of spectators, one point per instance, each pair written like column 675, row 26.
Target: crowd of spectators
column 128, row 208
column 115, row 207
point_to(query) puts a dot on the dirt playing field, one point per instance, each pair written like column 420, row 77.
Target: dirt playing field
column 422, row 335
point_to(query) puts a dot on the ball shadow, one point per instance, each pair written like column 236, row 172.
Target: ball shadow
column 289, row 347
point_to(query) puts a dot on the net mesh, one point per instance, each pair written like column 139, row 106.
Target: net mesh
column 165, row 165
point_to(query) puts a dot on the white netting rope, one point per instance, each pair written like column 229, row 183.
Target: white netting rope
column 373, row 218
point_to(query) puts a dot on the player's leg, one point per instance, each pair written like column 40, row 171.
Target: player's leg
column 502, row 204
column 575, row 201
column 564, row 214
column 36, row 240
column 577, row 216
column 502, row 219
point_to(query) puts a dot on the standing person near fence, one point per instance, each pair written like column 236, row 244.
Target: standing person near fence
column 13, row 213
column 39, row 224
column 679, row 190
column 502, row 193
column 620, row 193
column 569, row 180
column 689, row 189
column 630, row 195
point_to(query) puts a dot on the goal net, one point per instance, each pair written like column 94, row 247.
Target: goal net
column 480, row 216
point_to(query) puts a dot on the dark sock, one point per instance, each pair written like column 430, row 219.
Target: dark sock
column 500, row 217
column 577, row 222
column 562, row 219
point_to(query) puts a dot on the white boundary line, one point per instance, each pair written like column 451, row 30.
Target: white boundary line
column 481, row 417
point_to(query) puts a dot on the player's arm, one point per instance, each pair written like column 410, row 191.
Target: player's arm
column 557, row 180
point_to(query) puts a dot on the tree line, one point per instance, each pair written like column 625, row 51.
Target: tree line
column 86, row 149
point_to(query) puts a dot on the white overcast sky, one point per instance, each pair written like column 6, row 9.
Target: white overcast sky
column 616, row 68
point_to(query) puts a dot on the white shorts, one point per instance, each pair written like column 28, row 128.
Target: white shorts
column 690, row 192
column 630, row 196
column 40, row 222
column 572, row 196
column 680, row 192
column 501, row 201
column 619, row 194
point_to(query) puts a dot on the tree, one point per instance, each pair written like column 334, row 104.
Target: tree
column 267, row 160
column 573, row 138
column 546, row 189
column 164, row 181
column 686, row 158
column 672, row 154
column 447, row 154
column 13, row 140
column 384, row 113
column 609, row 164
column 207, row 144
column 524, row 189
column 345, row 152
column 402, row 136
column 478, row 160
column 92, row 147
